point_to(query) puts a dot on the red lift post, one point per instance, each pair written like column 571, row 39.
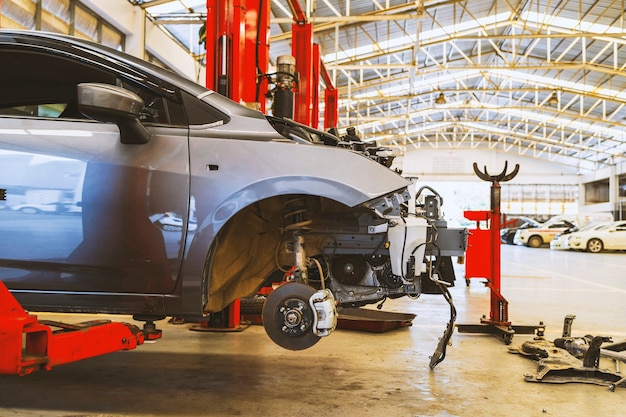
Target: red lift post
column 310, row 69
column 331, row 100
column 488, row 265
column 302, row 50
column 238, row 32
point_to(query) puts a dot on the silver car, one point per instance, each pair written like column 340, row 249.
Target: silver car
column 123, row 141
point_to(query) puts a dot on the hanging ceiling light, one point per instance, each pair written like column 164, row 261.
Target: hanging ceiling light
column 553, row 99
column 441, row 99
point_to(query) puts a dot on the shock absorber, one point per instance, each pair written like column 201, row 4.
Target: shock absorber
column 295, row 222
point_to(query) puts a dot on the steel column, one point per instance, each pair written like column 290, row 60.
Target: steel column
column 257, row 53
column 315, row 82
column 302, row 50
column 225, row 35
column 331, row 99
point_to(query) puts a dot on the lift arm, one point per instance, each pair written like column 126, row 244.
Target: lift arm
column 28, row 344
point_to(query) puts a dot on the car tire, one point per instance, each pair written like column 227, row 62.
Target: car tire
column 535, row 241
column 595, row 245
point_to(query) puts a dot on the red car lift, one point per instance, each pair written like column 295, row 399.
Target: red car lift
column 310, row 69
column 28, row 344
column 331, row 99
column 238, row 32
column 498, row 323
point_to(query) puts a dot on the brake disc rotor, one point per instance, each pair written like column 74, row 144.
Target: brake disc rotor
column 288, row 317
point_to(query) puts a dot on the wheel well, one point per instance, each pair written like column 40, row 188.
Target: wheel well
column 596, row 239
column 533, row 237
column 255, row 241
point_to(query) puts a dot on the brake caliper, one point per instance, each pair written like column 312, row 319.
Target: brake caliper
column 325, row 308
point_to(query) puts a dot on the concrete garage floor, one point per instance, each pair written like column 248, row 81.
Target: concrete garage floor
column 352, row 373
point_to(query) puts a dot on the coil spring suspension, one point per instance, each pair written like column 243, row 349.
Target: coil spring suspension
column 295, row 222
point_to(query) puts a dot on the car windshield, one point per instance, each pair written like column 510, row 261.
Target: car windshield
column 593, row 226
column 603, row 226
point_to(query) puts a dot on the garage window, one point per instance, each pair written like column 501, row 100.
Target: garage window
column 597, row 192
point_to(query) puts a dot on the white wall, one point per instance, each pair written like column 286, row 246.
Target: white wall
column 456, row 165
column 143, row 35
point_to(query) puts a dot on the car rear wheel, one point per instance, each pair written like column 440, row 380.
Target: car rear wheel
column 535, row 241
column 595, row 245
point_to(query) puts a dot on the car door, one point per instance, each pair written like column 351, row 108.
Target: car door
column 104, row 233
column 616, row 236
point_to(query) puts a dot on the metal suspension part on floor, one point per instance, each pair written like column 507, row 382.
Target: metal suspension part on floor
column 575, row 359
column 498, row 323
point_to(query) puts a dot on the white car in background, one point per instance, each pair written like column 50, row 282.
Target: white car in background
column 536, row 237
column 561, row 240
column 611, row 236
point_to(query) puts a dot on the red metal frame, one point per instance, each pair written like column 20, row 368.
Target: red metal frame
column 27, row 344
column 257, row 56
column 498, row 322
column 483, row 259
column 315, row 82
column 499, row 314
column 331, row 99
column 478, row 255
column 225, row 40
column 237, row 44
column 302, row 50
column 238, row 32
column 310, row 68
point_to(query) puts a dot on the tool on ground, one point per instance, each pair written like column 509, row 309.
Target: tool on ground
column 575, row 359
column 28, row 344
column 498, row 323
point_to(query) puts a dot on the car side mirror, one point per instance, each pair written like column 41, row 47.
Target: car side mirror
column 110, row 103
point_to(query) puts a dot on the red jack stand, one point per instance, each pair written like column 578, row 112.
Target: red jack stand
column 227, row 320
column 28, row 344
column 498, row 323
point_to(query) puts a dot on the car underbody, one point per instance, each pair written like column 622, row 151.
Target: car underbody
column 343, row 256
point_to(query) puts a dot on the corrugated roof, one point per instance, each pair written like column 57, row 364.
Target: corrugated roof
column 541, row 78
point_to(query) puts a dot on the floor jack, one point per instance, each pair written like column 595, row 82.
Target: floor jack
column 575, row 359
column 498, row 323
column 28, row 344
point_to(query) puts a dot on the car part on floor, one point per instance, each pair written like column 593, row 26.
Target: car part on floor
column 574, row 359
column 498, row 323
column 373, row 321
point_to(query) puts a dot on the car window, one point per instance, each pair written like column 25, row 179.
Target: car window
column 559, row 225
column 42, row 84
column 157, row 108
column 200, row 113
column 38, row 110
